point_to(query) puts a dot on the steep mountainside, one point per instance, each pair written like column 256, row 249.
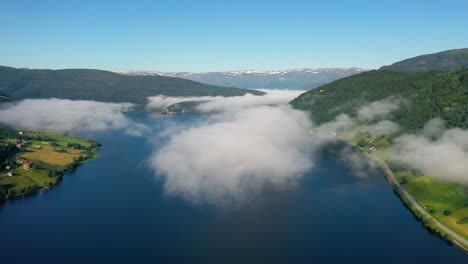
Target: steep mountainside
column 449, row 60
column 429, row 95
column 100, row 85
column 412, row 162
column 250, row 79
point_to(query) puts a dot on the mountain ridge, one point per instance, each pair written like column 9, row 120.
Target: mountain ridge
column 100, row 85
column 449, row 60
column 430, row 93
column 298, row 78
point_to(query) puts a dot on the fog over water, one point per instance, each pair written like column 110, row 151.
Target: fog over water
column 250, row 142
column 253, row 185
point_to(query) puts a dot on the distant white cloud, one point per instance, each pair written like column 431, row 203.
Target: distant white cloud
column 272, row 97
column 162, row 101
column 378, row 109
column 68, row 115
column 221, row 104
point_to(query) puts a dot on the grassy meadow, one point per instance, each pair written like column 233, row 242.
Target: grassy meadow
column 446, row 201
column 51, row 154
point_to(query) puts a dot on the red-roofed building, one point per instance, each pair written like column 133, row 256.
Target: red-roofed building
column 27, row 165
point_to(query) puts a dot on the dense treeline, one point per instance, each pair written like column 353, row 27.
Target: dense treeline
column 7, row 149
column 450, row 60
column 426, row 95
column 87, row 84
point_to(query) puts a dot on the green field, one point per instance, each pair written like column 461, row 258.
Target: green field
column 52, row 155
column 446, row 201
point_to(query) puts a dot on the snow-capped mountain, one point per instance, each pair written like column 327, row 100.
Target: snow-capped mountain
column 254, row 79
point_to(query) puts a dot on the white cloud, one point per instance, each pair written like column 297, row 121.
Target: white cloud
column 445, row 157
column 360, row 164
column 378, row 109
column 250, row 143
column 342, row 123
column 67, row 115
column 235, row 154
column 272, row 97
column 162, row 101
column 384, row 128
column 434, row 128
column 221, row 104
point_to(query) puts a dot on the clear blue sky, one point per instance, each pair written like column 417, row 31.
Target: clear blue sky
column 203, row 35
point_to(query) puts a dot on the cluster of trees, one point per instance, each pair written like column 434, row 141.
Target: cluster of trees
column 6, row 191
column 75, row 146
column 7, row 132
column 55, row 173
column 36, row 136
column 7, row 150
column 76, row 163
column 92, row 145
column 60, row 149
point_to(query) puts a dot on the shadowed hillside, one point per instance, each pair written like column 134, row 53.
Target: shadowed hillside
column 86, row 84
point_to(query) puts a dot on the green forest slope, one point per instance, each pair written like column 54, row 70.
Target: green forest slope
column 450, row 60
column 86, row 84
column 428, row 95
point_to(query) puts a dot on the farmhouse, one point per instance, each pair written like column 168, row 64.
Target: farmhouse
column 27, row 165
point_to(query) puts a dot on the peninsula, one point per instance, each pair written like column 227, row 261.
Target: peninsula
column 32, row 161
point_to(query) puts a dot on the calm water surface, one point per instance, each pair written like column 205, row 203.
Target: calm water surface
column 113, row 210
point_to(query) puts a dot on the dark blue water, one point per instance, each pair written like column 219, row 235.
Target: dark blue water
column 113, row 210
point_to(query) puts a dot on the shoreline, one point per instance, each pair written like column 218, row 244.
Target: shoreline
column 35, row 191
column 418, row 210
column 42, row 161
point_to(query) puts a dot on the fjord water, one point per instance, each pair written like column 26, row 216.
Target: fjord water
column 113, row 209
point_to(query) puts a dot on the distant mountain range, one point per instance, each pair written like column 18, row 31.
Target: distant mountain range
column 253, row 79
column 98, row 85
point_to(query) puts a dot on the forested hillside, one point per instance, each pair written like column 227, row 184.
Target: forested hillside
column 450, row 60
column 426, row 95
column 86, row 84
